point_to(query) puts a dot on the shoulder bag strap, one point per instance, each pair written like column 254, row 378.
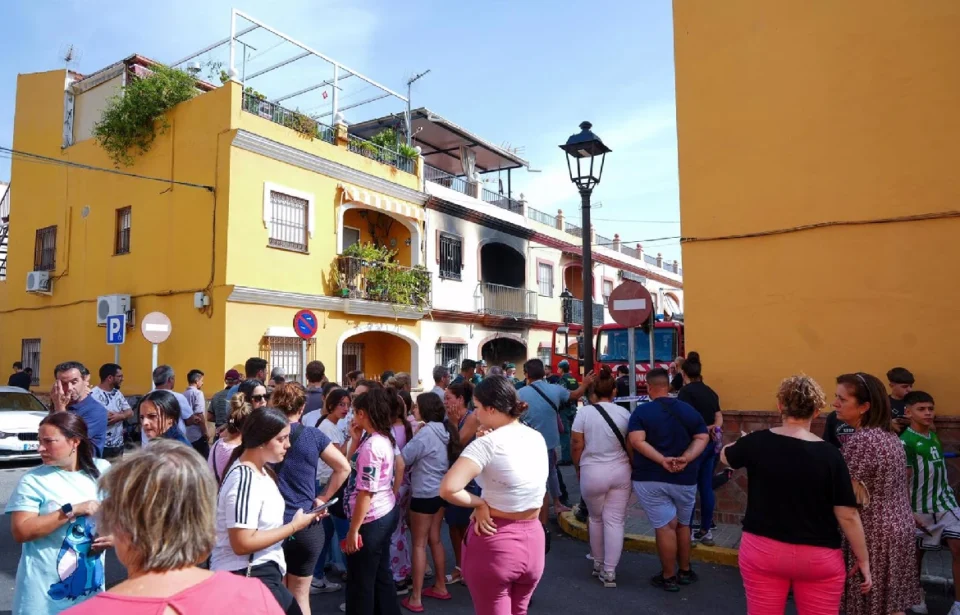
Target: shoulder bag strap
column 613, row 426
column 544, row 396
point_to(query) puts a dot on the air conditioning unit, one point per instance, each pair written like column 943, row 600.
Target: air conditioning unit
column 39, row 282
column 108, row 305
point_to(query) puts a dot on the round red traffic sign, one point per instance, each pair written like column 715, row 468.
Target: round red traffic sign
column 305, row 324
column 156, row 327
column 630, row 304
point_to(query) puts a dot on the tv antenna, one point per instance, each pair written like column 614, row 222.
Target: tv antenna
column 70, row 55
column 409, row 120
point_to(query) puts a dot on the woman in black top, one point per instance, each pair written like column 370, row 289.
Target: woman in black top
column 798, row 493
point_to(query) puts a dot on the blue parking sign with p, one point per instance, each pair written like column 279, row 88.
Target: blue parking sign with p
column 116, row 329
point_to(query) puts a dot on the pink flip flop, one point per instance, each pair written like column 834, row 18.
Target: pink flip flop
column 405, row 603
column 432, row 593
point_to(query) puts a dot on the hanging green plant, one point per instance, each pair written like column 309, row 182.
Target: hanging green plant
column 133, row 118
column 367, row 271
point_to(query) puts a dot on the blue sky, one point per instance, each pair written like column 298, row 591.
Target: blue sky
column 526, row 73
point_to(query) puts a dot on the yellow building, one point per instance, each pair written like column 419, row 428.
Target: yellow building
column 229, row 224
column 841, row 116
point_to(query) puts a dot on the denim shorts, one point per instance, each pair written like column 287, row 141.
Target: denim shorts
column 664, row 502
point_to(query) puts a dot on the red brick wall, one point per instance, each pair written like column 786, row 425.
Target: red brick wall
column 732, row 497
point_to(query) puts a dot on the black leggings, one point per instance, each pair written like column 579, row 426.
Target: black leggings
column 370, row 586
column 269, row 575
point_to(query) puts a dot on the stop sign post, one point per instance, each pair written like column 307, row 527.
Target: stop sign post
column 630, row 305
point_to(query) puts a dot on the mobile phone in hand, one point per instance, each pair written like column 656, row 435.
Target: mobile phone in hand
column 323, row 506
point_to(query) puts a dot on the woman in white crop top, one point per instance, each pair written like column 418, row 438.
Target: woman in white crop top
column 503, row 551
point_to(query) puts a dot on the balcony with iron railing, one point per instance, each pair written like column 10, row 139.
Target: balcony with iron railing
column 294, row 120
column 574, row 230
column 461, row 185
column 382, row 154
column 383, row 282
column 573, row 312
column 506, row 301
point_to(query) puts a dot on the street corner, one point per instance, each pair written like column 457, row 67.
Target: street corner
column 646, row 544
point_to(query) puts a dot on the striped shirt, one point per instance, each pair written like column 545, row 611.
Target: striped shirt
column 250, row 500
column 929, row 490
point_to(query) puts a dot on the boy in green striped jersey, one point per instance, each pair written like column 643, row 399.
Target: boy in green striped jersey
column 933, row 501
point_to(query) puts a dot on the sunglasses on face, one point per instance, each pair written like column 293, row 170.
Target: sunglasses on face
column 258, row 397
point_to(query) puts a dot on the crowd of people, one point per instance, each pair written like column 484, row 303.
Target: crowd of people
column 275, row 491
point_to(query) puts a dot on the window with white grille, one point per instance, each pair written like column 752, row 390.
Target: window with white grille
column 352, row 357
column 545, row 279
column 607, row 289
column 451, row 355
column 288, row 221
column 286, row 352
column 30, row 357
column 543, row 353
column 451, row 256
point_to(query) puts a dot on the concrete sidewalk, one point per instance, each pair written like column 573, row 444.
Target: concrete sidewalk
column 937, row 573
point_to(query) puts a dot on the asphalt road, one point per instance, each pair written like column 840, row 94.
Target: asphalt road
column 567, row 586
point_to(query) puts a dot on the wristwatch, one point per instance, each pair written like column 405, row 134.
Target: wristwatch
column 67, row 509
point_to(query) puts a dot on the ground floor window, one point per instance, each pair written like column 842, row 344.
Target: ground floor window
column 30, row 357
column 286, row 352
column 352, row 358
column 544, row 354
column 451, row 355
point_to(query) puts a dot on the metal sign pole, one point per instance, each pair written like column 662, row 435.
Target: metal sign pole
column 155, row 353
column 116, row 354
column 303, row 362
column 653, row 330
column 632, row 352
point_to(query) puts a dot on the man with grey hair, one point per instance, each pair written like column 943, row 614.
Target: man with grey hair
column 164, row 379
column 441, row 380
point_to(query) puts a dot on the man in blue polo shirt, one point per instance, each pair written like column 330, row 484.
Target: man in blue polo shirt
column 71, row 393
column 667, row 436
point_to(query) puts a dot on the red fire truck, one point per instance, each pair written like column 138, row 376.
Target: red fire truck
column 610, row 348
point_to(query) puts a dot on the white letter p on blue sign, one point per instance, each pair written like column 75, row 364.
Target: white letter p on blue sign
column 116, row 329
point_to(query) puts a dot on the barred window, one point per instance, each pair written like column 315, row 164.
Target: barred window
column 286, row 352
column 544, row 354
column 45, row 249
column 30, row 357
column 451, row 355
column 545, row 279
column 121, row 244
column 451, row 256
column 607, row 289
column 288, row 221
column 352, row 357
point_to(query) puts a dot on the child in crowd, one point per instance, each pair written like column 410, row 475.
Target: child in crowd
column 931, row 497
column 900, row 382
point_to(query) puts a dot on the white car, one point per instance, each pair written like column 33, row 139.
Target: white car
column 20, row 416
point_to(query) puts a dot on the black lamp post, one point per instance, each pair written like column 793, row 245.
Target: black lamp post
column 585, row 147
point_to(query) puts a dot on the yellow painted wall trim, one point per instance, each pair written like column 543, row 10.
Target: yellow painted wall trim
column 290, row 155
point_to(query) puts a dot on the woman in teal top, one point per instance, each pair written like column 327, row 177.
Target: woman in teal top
column 52, row 511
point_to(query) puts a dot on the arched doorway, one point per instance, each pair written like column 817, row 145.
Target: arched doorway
column 501, row 350
column 375, row 351
column 573, row 280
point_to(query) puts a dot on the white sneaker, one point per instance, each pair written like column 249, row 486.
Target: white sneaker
column 343, row 607
column 609, row 579
column 597, row 568
column 954, row 610
column 920, row 609
column 323, row 586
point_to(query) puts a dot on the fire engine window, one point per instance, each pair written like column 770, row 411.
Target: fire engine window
column 614, row 345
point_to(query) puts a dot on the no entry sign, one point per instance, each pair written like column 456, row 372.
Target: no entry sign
column 305, row 324
column 630, row 304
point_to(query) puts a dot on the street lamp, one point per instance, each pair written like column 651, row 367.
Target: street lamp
column 585, row 147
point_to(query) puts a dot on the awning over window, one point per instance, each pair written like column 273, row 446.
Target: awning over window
column 353, row 194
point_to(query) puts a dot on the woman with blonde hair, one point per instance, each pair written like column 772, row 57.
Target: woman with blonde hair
column 160, row 508
column 799, row 500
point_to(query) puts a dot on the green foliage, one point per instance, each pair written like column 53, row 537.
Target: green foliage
column 130, row 122
column 386, row 138
column 371, row 272
column 407, row 150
